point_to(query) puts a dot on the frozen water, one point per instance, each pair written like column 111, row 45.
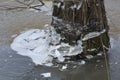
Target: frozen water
column 46, row 75
column 89, row 56
column 43, row 45
column 64, row 67
column 93, row 35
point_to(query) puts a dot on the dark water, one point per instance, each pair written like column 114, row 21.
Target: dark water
column 16, row 67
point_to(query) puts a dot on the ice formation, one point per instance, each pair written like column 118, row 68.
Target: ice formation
column 64, row 67
column 46, row 75
column 93, row 35
column 43, row 45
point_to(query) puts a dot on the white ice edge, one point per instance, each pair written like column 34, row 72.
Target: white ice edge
column 93, row 35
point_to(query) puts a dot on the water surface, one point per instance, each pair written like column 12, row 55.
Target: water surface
column 16, row 67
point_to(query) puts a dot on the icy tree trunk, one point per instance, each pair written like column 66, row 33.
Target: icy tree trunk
column 83, row 20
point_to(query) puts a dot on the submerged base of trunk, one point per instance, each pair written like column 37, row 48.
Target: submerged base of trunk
column 83, row 20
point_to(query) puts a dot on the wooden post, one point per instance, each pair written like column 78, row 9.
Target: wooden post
column 82, row 20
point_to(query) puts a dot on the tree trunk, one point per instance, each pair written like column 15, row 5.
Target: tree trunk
column 83, row 20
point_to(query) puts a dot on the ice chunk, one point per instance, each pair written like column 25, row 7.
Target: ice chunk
column 64, row 67
column 82, row 62
column 79, row 6
column 92, row 35
column 35, row 44
column 46, row 75
column 89, row 56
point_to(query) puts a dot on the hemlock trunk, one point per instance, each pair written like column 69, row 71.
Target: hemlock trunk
column 82, row 20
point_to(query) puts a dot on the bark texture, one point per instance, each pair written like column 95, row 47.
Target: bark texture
column 74, row 19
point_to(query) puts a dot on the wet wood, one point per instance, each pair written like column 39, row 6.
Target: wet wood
column 74, row 19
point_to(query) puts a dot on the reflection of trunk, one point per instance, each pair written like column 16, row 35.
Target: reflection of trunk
column 82, row 20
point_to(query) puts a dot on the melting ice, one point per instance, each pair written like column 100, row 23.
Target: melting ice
column 43, row 45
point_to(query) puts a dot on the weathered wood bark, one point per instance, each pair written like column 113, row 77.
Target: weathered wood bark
column 74, row 19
